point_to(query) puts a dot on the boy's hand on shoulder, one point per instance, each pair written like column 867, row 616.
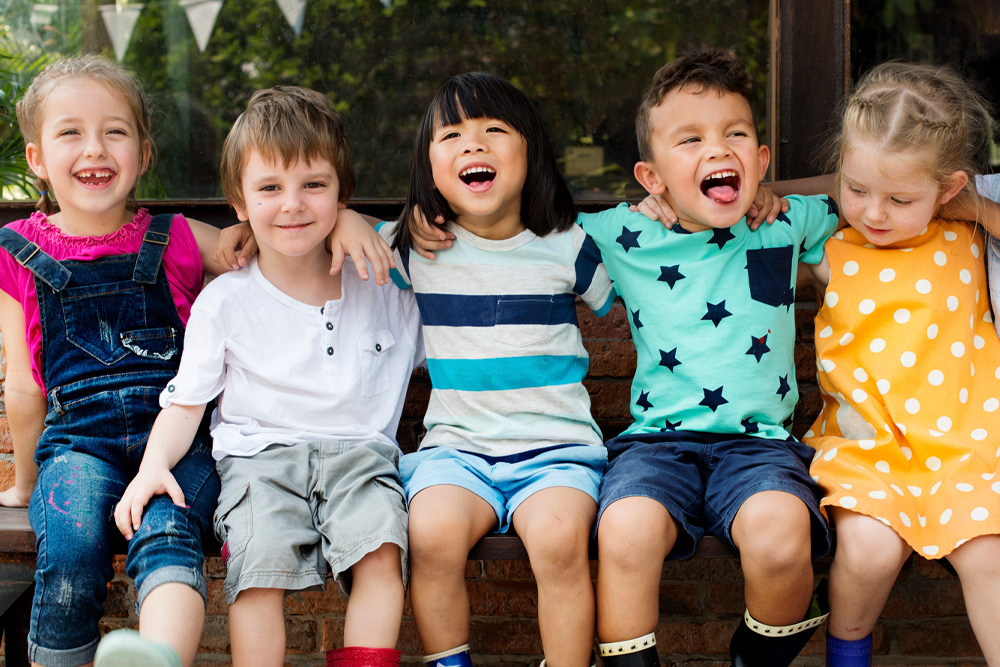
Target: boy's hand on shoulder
column 236, row 246
column 428, row 237
column 766, row 206
column 151, row 480
column 355, row 235
column 655, row 207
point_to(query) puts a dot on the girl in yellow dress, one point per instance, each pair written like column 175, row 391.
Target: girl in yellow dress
column 908, row 360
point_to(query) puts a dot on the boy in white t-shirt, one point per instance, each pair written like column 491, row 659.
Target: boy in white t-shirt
column 311, row 372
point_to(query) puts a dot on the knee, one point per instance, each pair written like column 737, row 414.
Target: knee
column 558, row 547
column 437, row 541
column 633, row 540
column 867, row 554
column 778, row 538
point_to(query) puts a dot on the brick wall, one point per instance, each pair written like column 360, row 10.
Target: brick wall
column 924, row 622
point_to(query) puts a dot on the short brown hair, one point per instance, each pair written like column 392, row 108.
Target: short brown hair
column 707, row 69
column 287, row 123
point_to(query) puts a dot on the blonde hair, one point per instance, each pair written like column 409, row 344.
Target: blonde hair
column 910, row 107
column 289, row 123
column 31, row 106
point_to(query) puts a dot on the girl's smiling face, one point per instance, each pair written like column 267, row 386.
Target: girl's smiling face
column 479, row 166
column 890, row 197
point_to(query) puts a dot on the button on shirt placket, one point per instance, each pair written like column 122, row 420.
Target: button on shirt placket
column 328, row 338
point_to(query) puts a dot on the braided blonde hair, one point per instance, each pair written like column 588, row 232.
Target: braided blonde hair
column 31, row 106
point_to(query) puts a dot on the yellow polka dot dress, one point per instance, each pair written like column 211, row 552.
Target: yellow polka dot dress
column 909, row 369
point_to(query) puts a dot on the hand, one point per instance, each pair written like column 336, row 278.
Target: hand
column 13, row 498
column 150, row 481
column 427, row 237
column 354, row 236
column 655, row 207
column 766, row 206
column 236, row 246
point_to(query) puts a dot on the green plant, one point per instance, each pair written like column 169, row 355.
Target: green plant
column 19, row 63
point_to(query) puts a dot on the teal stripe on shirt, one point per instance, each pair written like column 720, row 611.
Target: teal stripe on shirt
column 506, row 372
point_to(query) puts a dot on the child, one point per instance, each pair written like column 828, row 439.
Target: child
column 711, row 309
column 510, row 439
column 904, row 330
column 93, row 304
column 312, row 371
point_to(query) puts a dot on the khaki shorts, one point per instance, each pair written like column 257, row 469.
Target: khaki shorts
column 291, row 514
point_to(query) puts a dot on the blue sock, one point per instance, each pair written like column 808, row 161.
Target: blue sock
column 848, row 652
column 456, row 657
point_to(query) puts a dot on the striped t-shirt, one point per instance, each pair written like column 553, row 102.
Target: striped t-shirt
column 504, row 350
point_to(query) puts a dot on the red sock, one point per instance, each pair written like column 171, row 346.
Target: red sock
column 359, row 656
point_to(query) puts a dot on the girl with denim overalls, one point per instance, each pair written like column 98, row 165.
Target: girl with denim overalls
column 93, row 306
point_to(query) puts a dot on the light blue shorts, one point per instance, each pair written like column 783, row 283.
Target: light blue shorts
column 505, row 482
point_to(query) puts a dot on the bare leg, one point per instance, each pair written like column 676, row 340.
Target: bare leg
column 868, row 559
column 633, row 538
column 375, row 609
column 554, row 525
column 773, row 533
column 978, row 565
column 174, row 614
column 257, row 628
column 445, row 522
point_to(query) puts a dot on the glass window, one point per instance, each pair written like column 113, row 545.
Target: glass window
column 584, row 62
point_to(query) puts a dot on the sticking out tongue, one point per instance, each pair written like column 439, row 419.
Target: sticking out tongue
column 721, row 187
column 722, row 193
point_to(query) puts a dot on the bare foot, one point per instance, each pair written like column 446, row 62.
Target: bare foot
column 11, row 498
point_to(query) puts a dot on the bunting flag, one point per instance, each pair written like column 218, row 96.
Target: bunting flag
column 41, row 15
column 201, row 15
column 119, row 20
column 295, row 13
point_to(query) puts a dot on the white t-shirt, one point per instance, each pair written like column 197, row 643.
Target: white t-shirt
column 289, row 372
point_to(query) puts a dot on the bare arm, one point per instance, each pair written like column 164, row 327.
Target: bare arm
column 814, row 185
column 974, row 208
column 26, row 404
column 242, row 247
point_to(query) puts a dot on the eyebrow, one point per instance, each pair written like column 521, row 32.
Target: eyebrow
column 694, row 127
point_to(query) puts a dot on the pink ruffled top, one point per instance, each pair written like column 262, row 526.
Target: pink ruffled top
column 181, row 261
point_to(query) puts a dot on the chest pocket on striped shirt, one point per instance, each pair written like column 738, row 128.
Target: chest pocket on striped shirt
column 522, row 319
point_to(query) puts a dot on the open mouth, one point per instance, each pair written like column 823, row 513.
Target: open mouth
column 478, row 175
column 94, row 176
column 722, row 186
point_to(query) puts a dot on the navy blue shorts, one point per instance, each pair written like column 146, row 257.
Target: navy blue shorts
column 703, row 479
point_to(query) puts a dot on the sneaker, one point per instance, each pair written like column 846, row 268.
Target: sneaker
column 125, row 648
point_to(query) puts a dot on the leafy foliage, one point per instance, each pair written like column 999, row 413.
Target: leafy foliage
column 19, row 63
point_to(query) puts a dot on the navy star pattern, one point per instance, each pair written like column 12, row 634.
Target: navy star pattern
column 831, row 206
column 669, row 359
column 758, row 346
column 635, row 319
column 749, row 426
column 783, row 387
column 713, row 399
column 670, row 275
column 784, row 218
column 721, row 236
column 670, row 426
column 629, row 239
column 716, row 312
column 643, row 401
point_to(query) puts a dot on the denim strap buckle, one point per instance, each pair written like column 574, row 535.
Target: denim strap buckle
column 155, row 237
column 21, row 259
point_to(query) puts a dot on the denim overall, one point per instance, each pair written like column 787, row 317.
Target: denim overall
column 111, row 340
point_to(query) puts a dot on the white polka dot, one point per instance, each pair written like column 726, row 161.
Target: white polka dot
column 825, row 333
column 866, row 444
column 877, row 495
column 978, row 342
column 886, row 275
column 945, row 516
column 944, row 424
column 980, row 514
column 906, row 452
column 809, row 434
column 934, row 489
column 987, row 316
column 830, row 454
column 988, row 475
column 934, row 434
column 819, row 453
column 963, row 395
column 965, row 488
column 960, row 543
column 991, row 405
column 930, row 550
column 996, row 373
column 860, row 375
column 996, row 487
column 952, row 303
column 908, row 359
column 846, row 338
column 940, row 258
column 850, row 268
column 867, row 307
column 902, row 316
column 922, row 520
column 950, row 236
column 923, row 286
column 827, row 365
column 957, row 349
column 896, row 489
column 915, row 491
column 847, row 486
column 965, row 276
column 885, row 521
column 859, row 395
column 975, row 251
column 901, row 427
column 912, row 406
column 838, row 234
column 932, row 331
column 849, row 502
column 979, row 434
column 905, row 519
column 972, row 368
column 822, row 428
column 883, row 387
column 882, row 466
column 935, row 377
column 831, row 299
column 964, row 458
column 877, row 345
column 933, row 463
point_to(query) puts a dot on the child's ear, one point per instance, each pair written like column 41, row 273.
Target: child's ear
column 764, row 157
column 241, row 211
column 649, row 178
column 33, row 155
column 953, row 184
column 144, row 157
